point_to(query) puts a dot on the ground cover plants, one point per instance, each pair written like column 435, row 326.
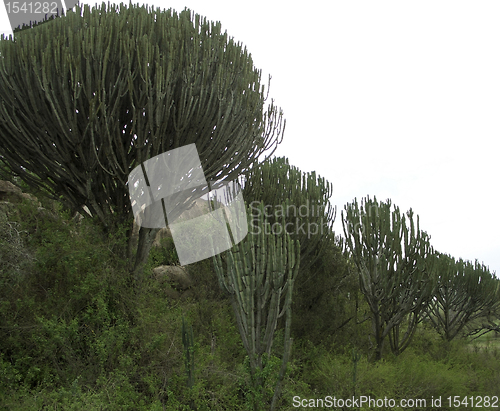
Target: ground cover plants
column 76, row 334
column 282, row 319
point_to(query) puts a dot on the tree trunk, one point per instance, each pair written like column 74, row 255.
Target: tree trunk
column 379, row 336
column 378, row 349
column 144, row 243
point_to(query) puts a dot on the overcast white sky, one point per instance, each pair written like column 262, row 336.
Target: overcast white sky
column 395, row 99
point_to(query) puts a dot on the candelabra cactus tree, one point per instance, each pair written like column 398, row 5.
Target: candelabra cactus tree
column 467, row 298
column 392, row 258
column 259, row 275
column 308, row 214
column 90, row 96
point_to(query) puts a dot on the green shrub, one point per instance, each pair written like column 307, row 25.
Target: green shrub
column 77, row 334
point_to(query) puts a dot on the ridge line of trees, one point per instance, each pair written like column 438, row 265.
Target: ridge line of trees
column 405, row 281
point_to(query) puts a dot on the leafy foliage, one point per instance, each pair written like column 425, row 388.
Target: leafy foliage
column 77, row 335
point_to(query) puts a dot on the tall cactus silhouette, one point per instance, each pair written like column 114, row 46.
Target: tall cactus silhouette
column 393, row 261
column 307, row 209
column 259, row 277
column 88, row 97
column 467, row 298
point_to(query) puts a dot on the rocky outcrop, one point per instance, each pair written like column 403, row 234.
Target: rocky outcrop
column 179, row 282
column 13, row 194
column 10, row 196
column 176, row 276
column 178, row 279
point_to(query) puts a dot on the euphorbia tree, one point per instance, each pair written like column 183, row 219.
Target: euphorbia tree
column 466, row 293
column 294, row 201
column 89, row 96
column 391, row 257
column 258, row 275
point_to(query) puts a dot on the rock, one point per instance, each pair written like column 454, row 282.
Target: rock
column 78, row 217
column 10, row 195
column 13, row 194
column 163, row 233
column 176, row 276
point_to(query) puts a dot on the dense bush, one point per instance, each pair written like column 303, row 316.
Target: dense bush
column 324, row 303
column 77, row 334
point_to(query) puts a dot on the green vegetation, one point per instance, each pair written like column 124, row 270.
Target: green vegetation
column 259, row 278
column 78, row 331
column 393, row 260
column 90, row 96
column 76, row 334
column 298, row 201
column 466, row 298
